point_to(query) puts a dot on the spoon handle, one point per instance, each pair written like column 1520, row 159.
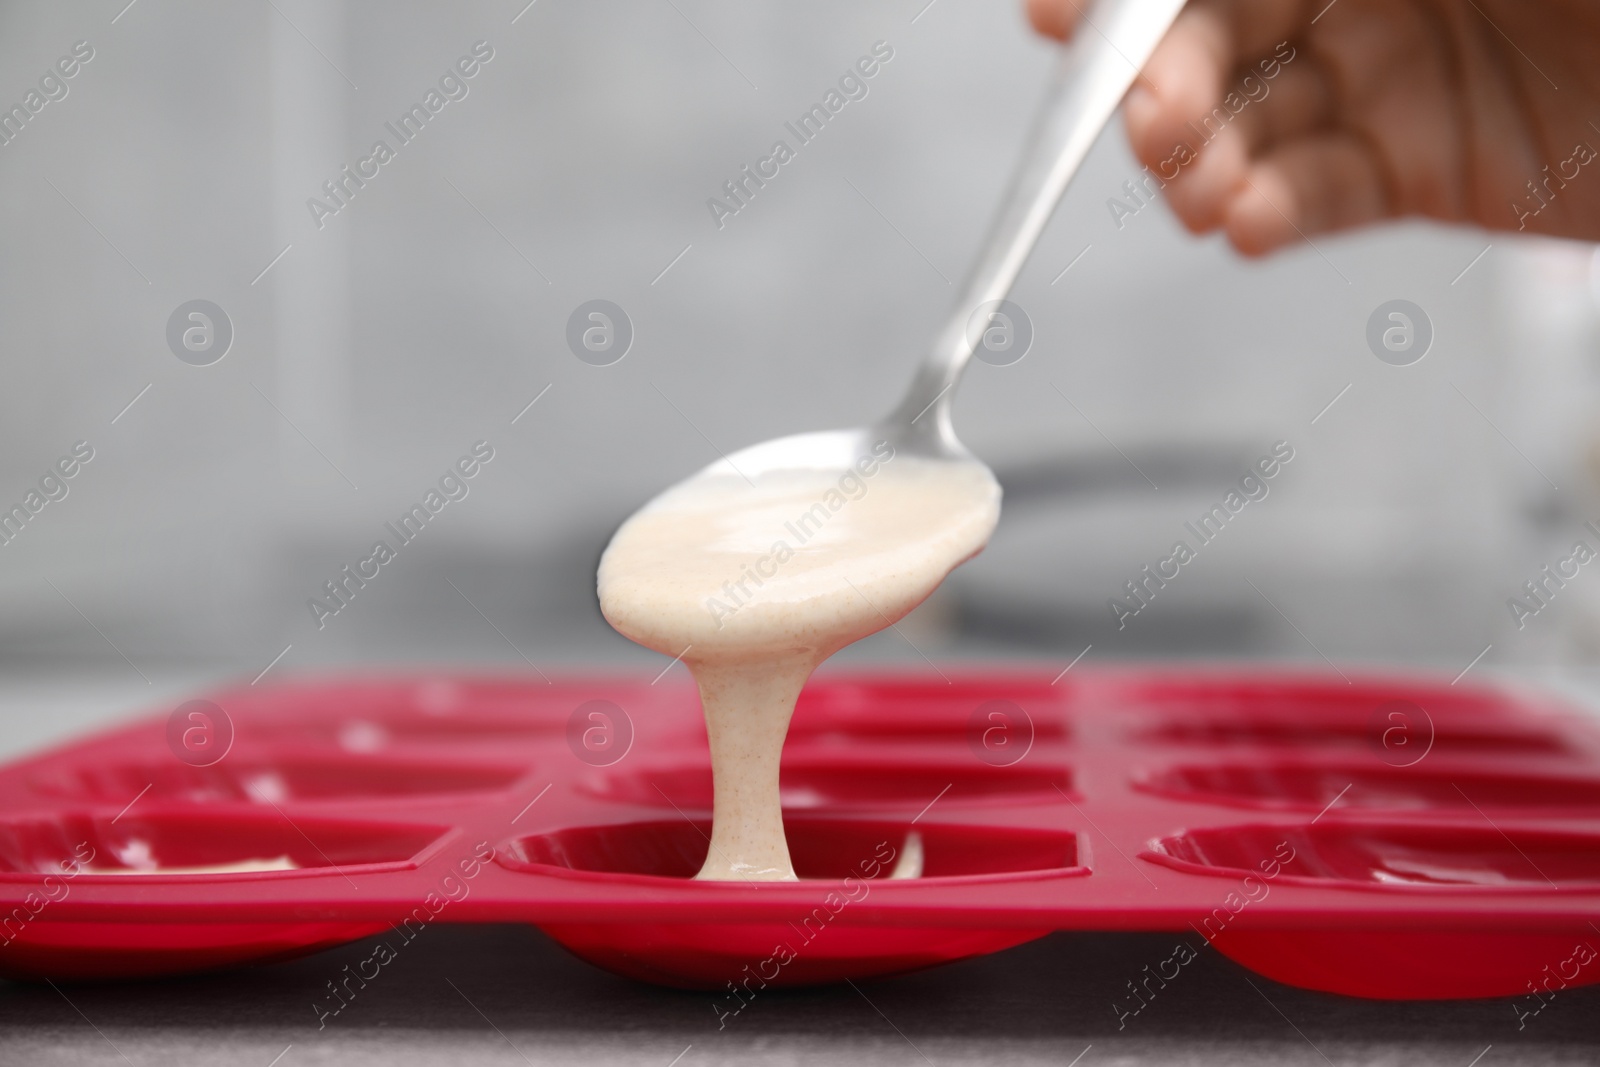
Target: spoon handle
column 1095, row 71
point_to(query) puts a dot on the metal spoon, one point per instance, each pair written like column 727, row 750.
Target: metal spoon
column 645, row 593
column 1095, row 71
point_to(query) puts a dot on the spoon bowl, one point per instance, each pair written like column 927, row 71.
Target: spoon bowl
column 838, row 521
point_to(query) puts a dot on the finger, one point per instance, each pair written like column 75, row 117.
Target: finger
column 1251, row 29
column 1364, row 45
column 1253, row 117
column 1318, row 184
column 1298, row 101
column 1191, row 71
column 1055, row 18
column 1194, row 87
column 1200, row 184
column 1164, row 114
column 1210, row 41
column 1395, row 81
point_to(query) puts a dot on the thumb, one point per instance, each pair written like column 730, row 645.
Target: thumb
column 1055, row 18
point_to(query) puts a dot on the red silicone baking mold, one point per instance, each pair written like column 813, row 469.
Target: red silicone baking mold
column 1387, row 837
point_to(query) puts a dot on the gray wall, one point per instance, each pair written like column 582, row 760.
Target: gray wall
column 427, row 312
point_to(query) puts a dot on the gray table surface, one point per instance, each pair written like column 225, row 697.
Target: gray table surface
column 506, row 994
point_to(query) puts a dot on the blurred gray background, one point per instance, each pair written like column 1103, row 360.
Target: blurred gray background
column 369, row 354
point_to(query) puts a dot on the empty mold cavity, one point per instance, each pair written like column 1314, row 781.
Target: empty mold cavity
column 277, row 782
column 1292, row 728
column 1412, row 789
column 1390, row 855
column 917, row 710
column 821, row 849
column 379, row 732
column 196, row 843
column 828, row 784
column 538, row 699
column 471, row 705
column 1310, row 697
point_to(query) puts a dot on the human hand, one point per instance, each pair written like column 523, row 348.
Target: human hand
column 1480, row 111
